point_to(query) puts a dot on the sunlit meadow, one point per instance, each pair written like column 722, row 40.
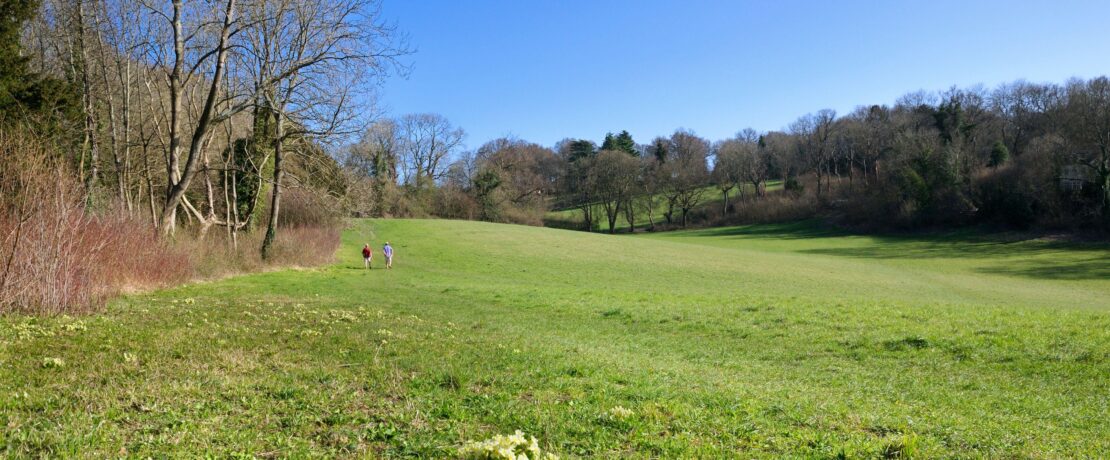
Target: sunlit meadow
column 763, row 341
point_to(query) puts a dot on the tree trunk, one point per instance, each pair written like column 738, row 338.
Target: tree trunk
column 210, row 196
column 231, row 201
column 179, row 180
column 113, row 132
column 150, row 189
column 168, row 220
column 851, row 170
column 1104, row 181
column 127, row 168
column 613, row 221
column 90, row 142
column 611, row 214
column 586, row 218
column 234, row 207
column 279, row 172
column 818, row 171
column 630, row 215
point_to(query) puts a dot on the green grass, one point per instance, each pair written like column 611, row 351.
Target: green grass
column 760, row 341
column 711, row 198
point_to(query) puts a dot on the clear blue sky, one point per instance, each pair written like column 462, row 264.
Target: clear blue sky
column 546, row 70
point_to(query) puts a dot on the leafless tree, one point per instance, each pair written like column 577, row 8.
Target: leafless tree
column 686, row 173
column 190, row 46
column 729, row 167
column 814, row 133
column 510, row 179
column 615, row 175
column 652, row 183
column 375, row 158
column 427, row 142
column 1087, row 121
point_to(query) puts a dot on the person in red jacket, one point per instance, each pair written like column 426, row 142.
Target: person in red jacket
column 367, row 255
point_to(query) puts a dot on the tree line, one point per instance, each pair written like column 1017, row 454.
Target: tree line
column 1020, row 155
column 208, row 113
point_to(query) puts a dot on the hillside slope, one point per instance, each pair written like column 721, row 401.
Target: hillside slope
column 766, row 340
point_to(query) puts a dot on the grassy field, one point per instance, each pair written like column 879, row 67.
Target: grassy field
column 711, row 198
column 762, row 341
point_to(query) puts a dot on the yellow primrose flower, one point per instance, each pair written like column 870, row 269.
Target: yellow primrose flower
column 75, row 326
column 618, row 413
column 511, row 447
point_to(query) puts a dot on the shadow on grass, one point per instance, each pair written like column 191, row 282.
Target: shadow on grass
column 1037, row 259
column 782, row 231
column 1094, row 268
column 920, row 248
column 1050, row 261
column 1017, row 255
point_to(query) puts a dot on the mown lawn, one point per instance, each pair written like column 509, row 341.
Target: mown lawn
column 760, row 341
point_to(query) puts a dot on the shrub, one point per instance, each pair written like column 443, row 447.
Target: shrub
column 301, row 207
column 47, row 251
column 217, row 256
column 454, row 203
column 792, row 184
column 1006, row 196
column 774, row 207
column 523, row 215
column 306, row 245
column 59, row 257
column 133, row 257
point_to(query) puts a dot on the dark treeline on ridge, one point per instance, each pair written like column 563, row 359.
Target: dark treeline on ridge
column 1024, row 155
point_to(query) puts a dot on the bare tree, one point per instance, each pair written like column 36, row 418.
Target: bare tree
column 508, row 179
column 577, row 187
column 615, row 174
column 309, row 59
column 1088, row 130
column 686, row 173
column 428, row 141
column 756, row 166
column 729, row 167
column 651, row 185
column 190, row 41
column 79, row 56
column 375, row 157
column 814, row 133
